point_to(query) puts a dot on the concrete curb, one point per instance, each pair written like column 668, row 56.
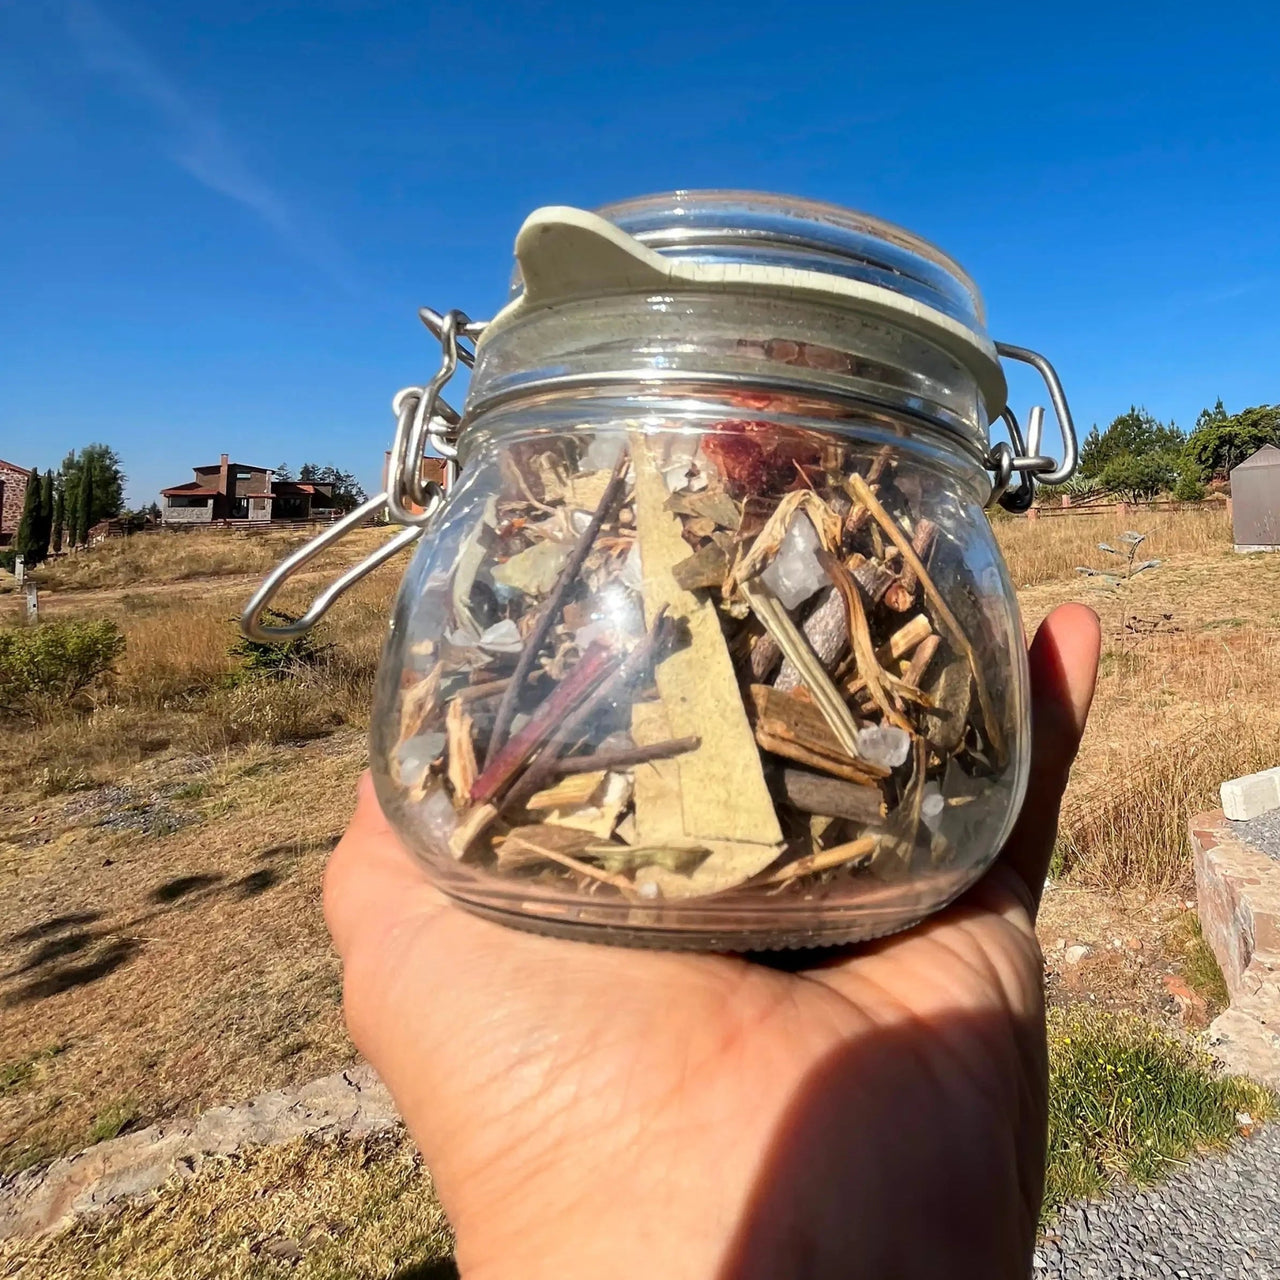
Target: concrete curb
column 35, row 1202
column 1238, row 895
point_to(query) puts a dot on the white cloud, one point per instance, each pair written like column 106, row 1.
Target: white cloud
column 196, row 139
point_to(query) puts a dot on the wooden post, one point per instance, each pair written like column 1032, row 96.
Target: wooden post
column 1065, row 500
column 33, row 604
column 1033, row 513
column 19, row 570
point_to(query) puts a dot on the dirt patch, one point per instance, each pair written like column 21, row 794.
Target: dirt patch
column 161, row 942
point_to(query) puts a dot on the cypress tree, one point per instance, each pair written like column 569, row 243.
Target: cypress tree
column 84, row 506
column 59, row 514
column 27, row 542
column 45, row 531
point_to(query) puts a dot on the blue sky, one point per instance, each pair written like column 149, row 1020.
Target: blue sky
column 220, row 218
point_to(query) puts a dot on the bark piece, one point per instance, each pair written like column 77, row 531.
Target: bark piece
column 795, row 729
column 461, row 750
column 833, row 797
column 576, row 789
column 705, row 568
column 827, row 631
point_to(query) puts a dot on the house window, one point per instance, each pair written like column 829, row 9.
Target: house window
column 185, row 500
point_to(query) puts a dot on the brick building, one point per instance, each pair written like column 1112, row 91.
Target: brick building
column 237, row 491
column 13, row 491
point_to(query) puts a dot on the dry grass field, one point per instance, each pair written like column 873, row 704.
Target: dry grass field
column 161, row 849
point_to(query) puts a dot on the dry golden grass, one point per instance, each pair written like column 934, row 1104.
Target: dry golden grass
column 176, row 555
column 165, row 935
column 353, row 1209
column 1048, row 549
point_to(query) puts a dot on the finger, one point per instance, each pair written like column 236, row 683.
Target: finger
column 1064, row 669
column 371, row 880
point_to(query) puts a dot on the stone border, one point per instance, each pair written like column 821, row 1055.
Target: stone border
column 39, row 1201
column 1238, row 895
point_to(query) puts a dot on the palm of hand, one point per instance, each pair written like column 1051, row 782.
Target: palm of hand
column 599, row 1112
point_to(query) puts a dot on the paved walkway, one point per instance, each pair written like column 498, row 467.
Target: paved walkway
column 1219, row 1219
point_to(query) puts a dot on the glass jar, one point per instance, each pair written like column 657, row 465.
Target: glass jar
column 711, row 644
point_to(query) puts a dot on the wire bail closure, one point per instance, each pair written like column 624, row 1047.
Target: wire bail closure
column 1024, row 456
column 423, row 417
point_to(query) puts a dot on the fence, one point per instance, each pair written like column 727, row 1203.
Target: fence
column 1076, row 507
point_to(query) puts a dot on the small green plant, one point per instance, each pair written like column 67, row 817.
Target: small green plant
column 112, row 1121
column 1199, row 964
column 52, row 663
column 14, row 1076
column 1128, row 1102
column 276, row 659
column 1189, row 487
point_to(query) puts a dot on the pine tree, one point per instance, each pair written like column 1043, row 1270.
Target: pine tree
column 27, row 542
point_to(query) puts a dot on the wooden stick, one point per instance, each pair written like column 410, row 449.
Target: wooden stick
column 824, row 860
column 623, row 757
column 944, row 615
column 461, row 752
column 827, row 631
column 860, row 635
column 832, row 797
column 922, row 540
column 551, row 608
column 791, row 641
column 540, row 773
column 592, row 669
column 920, row 660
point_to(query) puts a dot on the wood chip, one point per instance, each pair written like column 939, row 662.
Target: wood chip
column 794, row 728
column 461, row 753
column 833, row 797
column 575, row 789
column 420, row 703
column 705, row 568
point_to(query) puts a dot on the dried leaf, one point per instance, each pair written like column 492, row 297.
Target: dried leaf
column 534, row 570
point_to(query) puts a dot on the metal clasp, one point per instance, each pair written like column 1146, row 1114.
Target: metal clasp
column 1024, row 455
column 423, row 417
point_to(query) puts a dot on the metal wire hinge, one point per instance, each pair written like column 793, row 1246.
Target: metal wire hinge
column 1023, row 455
column 423, row 419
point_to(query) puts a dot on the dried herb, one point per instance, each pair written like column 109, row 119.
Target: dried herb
column 696, row 664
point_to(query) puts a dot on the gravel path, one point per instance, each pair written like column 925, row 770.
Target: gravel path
column 1262, row 832
column 1219, row 1219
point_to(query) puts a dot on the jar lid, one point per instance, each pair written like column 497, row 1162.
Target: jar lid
column 752, row 227
column 754, row 246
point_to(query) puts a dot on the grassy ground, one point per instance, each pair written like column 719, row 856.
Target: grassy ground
column 161, row 947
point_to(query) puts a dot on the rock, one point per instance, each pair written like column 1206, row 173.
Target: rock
column 1191, row 1006
column 281, row 1249
column 42, row 1200
column 1074, row 954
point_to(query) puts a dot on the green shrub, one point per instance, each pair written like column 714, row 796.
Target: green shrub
column 276, row 660
column 1126, row 1101
column 1188, row 488
column 50, row 664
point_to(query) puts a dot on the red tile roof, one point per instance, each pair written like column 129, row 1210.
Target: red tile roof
column 190, row 490
column 13, row 466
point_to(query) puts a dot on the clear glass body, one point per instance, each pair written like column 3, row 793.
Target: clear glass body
column 732, row 670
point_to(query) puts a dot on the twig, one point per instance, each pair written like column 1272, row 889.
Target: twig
column 540, row 773
column 791, row 641
column 594, row 667
column 824, row 860
column 551, row 607
column 944, row 615
column 860, row 636
column 623, row 757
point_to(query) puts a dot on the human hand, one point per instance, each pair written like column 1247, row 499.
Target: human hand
column 596, row 1112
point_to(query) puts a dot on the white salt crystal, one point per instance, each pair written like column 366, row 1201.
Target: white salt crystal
column 632, row 574
column 648, row 889
column 417, row 755
column 597, row 630
column 932, row 805
column 603, row 452
column 884, row 744
column 502, row 637
column 794, row 573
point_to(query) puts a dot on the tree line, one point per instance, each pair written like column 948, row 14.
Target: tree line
column 1138, row 457
column 59, row 508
